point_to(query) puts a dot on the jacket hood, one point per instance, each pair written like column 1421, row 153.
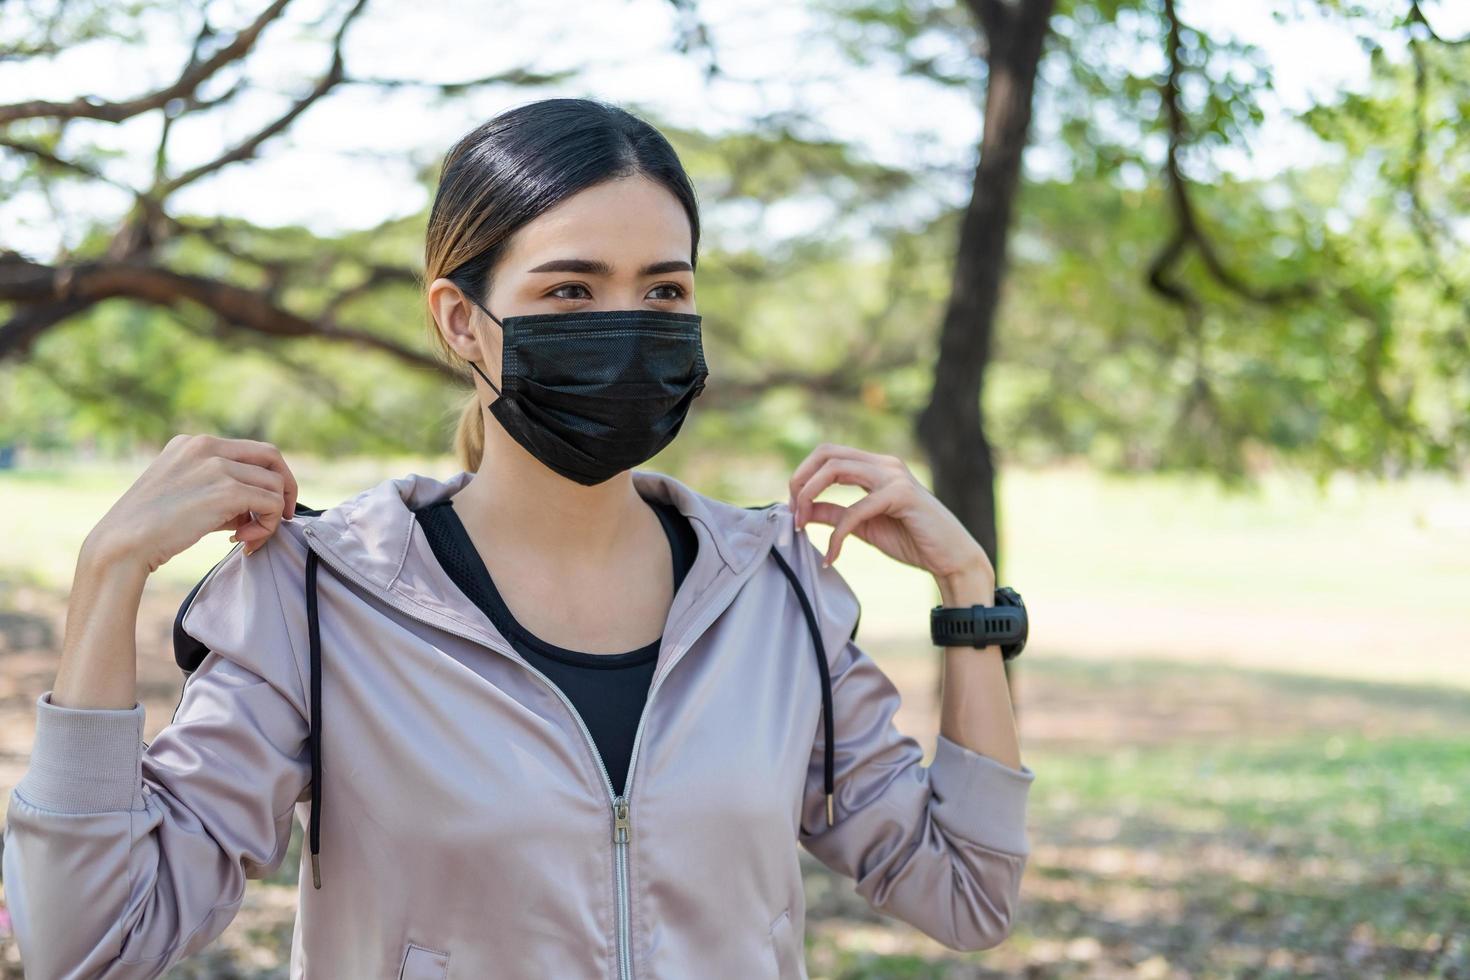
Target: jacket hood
column 372, row 531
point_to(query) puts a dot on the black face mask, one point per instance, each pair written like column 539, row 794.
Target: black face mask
column 593, row 393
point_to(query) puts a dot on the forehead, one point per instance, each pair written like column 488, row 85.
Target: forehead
column 626, row 222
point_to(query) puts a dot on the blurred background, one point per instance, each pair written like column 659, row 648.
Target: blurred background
column 1167, row 300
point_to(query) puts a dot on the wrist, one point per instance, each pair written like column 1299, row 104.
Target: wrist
column 111, row 554
column 968, row 588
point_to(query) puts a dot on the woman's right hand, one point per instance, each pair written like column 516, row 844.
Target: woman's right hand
column 198, row 484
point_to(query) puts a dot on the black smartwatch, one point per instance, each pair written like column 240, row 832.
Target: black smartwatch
column 981, row 626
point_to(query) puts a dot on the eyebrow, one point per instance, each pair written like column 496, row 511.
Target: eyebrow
column 597, row 267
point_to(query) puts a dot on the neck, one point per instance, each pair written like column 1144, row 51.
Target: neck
column 517, row 500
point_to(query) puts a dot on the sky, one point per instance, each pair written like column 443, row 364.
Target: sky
column 348, row 162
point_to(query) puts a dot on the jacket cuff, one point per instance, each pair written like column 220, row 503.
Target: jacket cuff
column 981, row 798
column 85, row 760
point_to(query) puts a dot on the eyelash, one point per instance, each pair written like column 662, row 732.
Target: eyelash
column 665, row 285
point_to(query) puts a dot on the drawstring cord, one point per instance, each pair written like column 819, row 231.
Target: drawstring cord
column 314, row 730
column 822, row 668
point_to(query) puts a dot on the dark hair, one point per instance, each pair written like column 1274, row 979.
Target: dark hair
column 518, row 165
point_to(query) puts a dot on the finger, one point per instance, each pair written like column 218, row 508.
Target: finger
column 291, row 491
column 265, row 506
column 814, row 460
column 825, row 512
column 235, row 472
column 874, row 504
column 251, row 529
column 268, row 518
column 260, row 454
column 837, row 469
column 246, row 527
column 236, row 523
column 264, row 523
column 255, row 474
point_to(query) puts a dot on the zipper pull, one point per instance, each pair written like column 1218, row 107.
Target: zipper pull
column 620, row 829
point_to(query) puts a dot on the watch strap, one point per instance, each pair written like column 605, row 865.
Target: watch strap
column 1004, row 624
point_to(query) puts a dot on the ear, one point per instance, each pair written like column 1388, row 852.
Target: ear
column 464, row 327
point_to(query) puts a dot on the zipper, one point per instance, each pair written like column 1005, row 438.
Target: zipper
column 622, row 830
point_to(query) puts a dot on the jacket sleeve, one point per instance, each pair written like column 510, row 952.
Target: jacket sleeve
column 123, row 857
column 941, row 847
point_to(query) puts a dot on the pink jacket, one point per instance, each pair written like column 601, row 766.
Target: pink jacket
column 463, row 823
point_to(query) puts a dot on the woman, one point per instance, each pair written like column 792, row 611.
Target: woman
column 552, row 716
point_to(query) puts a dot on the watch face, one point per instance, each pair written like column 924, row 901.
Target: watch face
column 1007, row 596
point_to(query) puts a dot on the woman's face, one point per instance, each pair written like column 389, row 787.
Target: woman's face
column 621, row 245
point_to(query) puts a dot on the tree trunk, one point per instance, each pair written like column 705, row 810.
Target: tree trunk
column 951, row 427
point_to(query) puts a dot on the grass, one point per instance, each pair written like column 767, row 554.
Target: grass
column 1363, row 544
column 1332, row 858
column 1360, row 544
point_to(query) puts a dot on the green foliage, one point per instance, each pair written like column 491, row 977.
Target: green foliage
column 1371, row 370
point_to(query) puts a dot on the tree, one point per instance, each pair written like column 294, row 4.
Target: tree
column 140, row 260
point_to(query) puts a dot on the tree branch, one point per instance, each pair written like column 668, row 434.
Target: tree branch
column 74, row 288
column 1188, row 231
column 1426, row 227
column 195, row 73
column 515, row 76
column 246, row 149
column 49, row 158
column 322, row 387
column 1187, row 224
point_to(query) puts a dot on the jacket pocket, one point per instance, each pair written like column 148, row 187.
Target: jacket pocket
column 790, row 956
column 422, row 963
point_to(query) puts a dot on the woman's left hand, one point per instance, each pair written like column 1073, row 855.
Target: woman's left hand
column 899, row 516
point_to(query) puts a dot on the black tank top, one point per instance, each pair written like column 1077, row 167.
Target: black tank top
column 607, row 689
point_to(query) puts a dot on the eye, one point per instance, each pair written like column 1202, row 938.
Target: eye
column 571, row 285
column 678, row 291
